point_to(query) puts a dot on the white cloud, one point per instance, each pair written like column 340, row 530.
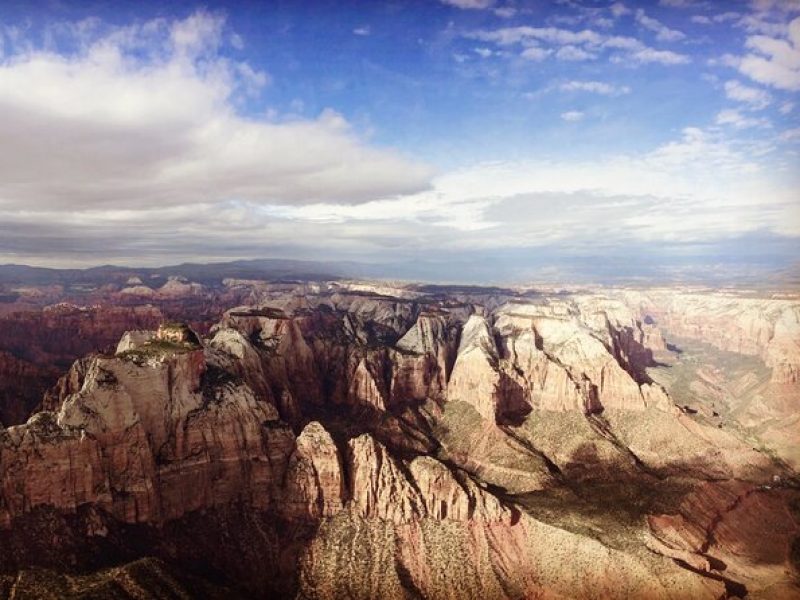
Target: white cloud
column 783, row 52
column 535, row 53
column 237, row 41
column 594, row 87
column 618, row 9
column 469, row 4
column 112, row 125
column 578, row 45
column 791, row 135
column 736, row 119
column 505, row 12
column 252, row 81
column 786, row 108
column 762, row 23
column 572, row 116
column 775, row 61
column 726, row 16
column 756, row 98
column 170, row 167
column 364, row 30
column 663, row 33
column 198, row 34
column 651, row 55
column 514, row 35
column 770, row 72
column 696, row 187
column 574, row 53
column 785, row 6
column 602, row 22
column 680, row 3
column 700, row 187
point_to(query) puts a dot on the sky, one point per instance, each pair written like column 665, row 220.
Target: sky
column 520, row 137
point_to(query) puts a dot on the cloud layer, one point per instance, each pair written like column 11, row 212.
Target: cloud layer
column 147, row 115
column 585, row 44
column 140, row 145
column 773, row 60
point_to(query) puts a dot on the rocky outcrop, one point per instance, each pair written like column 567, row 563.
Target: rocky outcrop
column 45, row 464
column 517, row 558
column 424, row 358
column 764, row 327
column 551, row 386
column 352, row 444
column 36, row 347
column 314, row 481
column 782, row 352
column 364, row 388
column 476, row 377
column 449, row 494
column 378, row 485
column 569, row 365
column 22, row 385
column 291, row 362
column 146, row 441
column 733, row 530
column 59, row 334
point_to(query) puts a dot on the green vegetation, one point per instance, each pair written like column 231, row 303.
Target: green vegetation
column 719, row 385
column 146, row 577
column 266, row 311
column 177, row 332
column 156, row 349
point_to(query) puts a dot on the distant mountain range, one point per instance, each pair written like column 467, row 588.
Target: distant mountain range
column 212, row 273
column 500, row 270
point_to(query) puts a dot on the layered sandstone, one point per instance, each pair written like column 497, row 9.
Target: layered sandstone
column 22, row 385
column 381, row 446
column 765, row 327
column 314, row 481
column 147, row 440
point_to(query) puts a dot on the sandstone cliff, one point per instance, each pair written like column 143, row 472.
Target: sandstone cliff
column 385, row 446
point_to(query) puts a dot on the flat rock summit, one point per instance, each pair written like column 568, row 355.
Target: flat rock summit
column 354, row 440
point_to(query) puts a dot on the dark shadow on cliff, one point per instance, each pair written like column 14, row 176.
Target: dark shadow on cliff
column 512, row 406
column 232, row 549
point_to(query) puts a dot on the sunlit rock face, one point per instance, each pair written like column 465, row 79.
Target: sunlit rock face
column 764, row 327
column 169, row 443
column 314, row 480
column 36, row 346
column 360, row 443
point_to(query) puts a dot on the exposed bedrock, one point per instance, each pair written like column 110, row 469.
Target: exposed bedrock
column 371, row 446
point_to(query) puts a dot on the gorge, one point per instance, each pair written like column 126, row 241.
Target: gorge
column 353, row 439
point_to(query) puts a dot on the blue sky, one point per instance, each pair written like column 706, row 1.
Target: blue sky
column 519, row 132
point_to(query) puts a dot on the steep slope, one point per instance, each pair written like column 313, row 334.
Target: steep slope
column 352, row 444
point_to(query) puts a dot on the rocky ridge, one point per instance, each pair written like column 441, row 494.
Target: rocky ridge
column 380, row 445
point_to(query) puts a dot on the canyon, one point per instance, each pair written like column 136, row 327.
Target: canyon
column 338, row 438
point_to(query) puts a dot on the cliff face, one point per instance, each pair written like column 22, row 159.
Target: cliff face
column 768, row 328
column 36, row 346
column 22, row 385
column 60, row 333
column 374, row 446
column 46, row 329
column 146, row 443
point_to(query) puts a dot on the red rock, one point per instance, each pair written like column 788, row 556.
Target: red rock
column 313, row 484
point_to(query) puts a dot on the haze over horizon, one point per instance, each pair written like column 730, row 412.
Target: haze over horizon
column 648, row 137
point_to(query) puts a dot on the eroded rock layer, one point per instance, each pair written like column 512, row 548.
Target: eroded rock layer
column 347, row 443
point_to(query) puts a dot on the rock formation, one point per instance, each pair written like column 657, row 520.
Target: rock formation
column 348, row 443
